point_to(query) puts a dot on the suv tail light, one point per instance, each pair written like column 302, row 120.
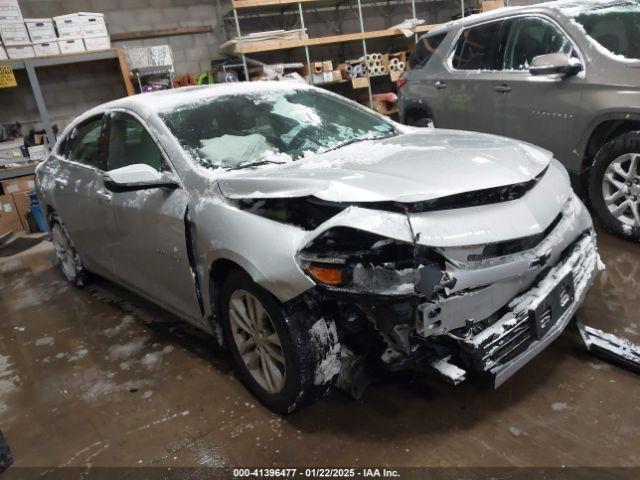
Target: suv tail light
column 401, row 82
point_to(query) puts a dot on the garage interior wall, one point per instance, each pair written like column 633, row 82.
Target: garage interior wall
column 71, row 90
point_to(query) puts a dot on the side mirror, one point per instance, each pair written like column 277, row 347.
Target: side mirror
column 559, row 64
column 138, row 177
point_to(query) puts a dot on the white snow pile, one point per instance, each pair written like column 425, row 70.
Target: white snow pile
column 325, row 338
column 449, row 370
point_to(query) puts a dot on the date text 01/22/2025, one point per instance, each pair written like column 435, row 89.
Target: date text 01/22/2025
column 314, row 473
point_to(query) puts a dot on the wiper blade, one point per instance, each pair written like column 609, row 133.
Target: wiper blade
column 356, row 140
column 255, row 164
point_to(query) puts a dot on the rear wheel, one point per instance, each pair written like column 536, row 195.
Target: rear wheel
column 275, row 353
column 68, row 258
column 614, row 185
column 421, row 119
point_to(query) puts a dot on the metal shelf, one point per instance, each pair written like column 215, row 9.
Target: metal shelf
column 31, row 64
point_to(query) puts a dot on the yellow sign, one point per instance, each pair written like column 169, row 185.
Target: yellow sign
column 7, row 78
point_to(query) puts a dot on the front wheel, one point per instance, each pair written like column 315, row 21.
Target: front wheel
column 284, row 356
column 614, row 186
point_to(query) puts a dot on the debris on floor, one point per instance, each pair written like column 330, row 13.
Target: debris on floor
column 609, row 347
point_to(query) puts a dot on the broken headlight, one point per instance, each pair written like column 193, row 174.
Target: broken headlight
column 356, row 261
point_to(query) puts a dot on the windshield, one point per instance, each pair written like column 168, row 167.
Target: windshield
column 277, row 126
column 616, row 28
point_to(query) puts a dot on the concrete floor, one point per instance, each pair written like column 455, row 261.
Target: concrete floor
column 84, row 382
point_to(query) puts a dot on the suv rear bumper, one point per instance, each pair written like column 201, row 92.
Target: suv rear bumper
column 506, row 346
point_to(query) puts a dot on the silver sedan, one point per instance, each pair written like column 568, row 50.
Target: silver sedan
column 318, row 241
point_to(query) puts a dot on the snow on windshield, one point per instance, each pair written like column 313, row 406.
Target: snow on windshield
column 613, row 28
column 230, row 131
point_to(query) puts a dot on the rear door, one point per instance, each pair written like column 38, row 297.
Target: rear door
column 147, row 240
column 78, row 194
column 473, row 71
column 538, row 109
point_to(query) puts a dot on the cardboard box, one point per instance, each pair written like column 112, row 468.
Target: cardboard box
column 17, row 52
column 39, row 152
column 46, row 49
column 9, row 218
column 14, row 34
column 40, row 29
column 360, row 82
column 492, row 5
column 3, row 53
column 327, row 66
column 22, row 201
column 93, row 25
column 394, row 76
column 316, row 67
column 337, row 75
column 71, row 45
column 68, row 26
column 18, row 184
column 10, row 11
column 97, row 43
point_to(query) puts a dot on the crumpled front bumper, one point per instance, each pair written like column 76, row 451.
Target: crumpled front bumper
column 507, row 345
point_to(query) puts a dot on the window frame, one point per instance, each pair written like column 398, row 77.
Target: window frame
column 427, row 36
column 452, row 50
column 60, row 152
column 165, row 158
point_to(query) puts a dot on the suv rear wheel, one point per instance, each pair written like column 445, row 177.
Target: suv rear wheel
column 286, row 357
column 614, row 185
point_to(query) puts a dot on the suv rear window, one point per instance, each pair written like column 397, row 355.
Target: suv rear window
column 425, row 48
column 476, row 48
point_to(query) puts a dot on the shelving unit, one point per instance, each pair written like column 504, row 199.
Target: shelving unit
column 32, row 64
column 274, row 45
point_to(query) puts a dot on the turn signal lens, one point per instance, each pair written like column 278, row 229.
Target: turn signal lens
column 326, row 274
column 401, row 82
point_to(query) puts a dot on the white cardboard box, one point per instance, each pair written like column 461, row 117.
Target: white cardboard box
column 40, row 29
column 3, row 53
column 71, row 45
column 93, row 25
column 39, row 152
column 97, row 43
column 46, row 49
column 10, row 11
column 14, row 34
column 69, row 26
column 17, row 52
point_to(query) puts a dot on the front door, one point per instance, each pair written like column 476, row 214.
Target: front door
column 147, row 238
column 538, row 109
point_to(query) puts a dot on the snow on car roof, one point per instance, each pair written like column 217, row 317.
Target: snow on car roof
column 164, row 100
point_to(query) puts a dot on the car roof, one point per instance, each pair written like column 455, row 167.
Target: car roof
column 156, row 102
column 569, row 8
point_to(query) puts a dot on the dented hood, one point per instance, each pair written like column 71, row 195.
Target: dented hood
column 406, row 168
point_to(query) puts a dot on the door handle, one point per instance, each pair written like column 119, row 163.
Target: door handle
column 440, row 85
column 504, row 88
column 62, row 182
column 103, row 196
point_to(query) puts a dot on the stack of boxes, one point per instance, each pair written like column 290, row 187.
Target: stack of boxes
column 44, row 37
column 14, row 205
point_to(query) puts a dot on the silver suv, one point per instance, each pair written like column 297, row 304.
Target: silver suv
column 562, row 75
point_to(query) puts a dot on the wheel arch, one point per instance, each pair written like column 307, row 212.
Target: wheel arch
column 415, row 110
column 602, row 130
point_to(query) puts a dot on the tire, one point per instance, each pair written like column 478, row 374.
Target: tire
column 308, row 347
column 422, row 120
column 68, row 258
column 615, row 174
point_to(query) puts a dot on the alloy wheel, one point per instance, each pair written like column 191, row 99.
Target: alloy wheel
column 621, row 189
column 257, row 341
column 64, row 252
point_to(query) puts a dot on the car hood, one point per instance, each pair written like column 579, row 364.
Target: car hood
column 409, row 167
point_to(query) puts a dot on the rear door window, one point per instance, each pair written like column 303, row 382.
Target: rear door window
column 85, row 144
column 424, row 50
column 130, row 143
column 530, row 37
column 478, row 48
